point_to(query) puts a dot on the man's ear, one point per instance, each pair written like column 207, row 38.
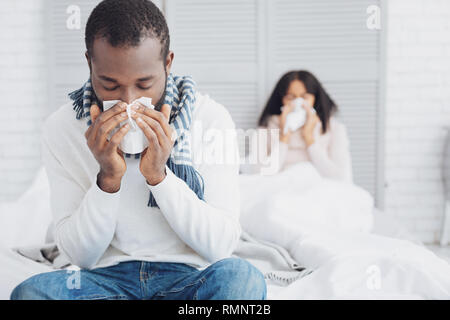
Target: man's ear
column 169, row 61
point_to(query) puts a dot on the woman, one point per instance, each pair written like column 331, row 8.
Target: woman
column 322, row 140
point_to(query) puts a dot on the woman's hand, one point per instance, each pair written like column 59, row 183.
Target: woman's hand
column 312, row 119
column 160, row 135
column 285, row 111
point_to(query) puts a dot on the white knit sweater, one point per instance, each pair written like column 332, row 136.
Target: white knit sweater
column 93, row 228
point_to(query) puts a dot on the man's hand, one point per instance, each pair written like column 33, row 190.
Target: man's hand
column 108, row 155
column 155, row 125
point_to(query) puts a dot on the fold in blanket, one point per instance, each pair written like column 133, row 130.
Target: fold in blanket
column 47, row 254
column 274, row 262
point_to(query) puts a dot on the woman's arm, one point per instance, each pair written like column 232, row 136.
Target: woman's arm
column 334, row 163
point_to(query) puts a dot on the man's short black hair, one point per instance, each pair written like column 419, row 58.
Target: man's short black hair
column 127, row 23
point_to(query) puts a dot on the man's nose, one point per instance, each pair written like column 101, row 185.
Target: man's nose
column 128, row 96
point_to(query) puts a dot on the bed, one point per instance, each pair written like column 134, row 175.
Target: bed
column 354, row 250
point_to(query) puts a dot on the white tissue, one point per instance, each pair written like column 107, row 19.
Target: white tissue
column 297, row 117
column 135, row 140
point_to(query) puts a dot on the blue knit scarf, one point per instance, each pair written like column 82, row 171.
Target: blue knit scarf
column 180, row 95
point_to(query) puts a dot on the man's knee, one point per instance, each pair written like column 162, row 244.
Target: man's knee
column 27, row 290
column 236, row 278
column 49, row 285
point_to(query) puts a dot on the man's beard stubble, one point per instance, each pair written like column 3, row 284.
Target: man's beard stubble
column 160, row 102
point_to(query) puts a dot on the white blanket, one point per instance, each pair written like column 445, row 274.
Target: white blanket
column 305, row 199
column 348, row 260
column 14, row 269
column 326, row 226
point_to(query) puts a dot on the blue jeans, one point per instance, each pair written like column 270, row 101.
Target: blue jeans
column 226, row 279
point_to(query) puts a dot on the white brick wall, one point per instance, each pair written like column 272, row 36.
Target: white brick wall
column 23, row 92
column 417, row 111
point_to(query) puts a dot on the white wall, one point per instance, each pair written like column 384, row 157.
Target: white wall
column 23, row 93
column 417, row 110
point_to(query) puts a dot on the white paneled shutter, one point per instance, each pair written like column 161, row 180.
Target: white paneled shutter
column 237, row 50
column 217, row 42
column 68, row 66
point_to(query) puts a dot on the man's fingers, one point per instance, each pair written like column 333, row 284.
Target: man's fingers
column 161, row 116
column 155, row 126
column 88, row 132
column 116, row 109
column 116, row 139
column 101, row 117
column 107, row 126
column 165, row 109
column 149, row 133
column 94, row 112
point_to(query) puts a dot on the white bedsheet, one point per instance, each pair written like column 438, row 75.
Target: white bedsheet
column 354, row 257
column 359, row 265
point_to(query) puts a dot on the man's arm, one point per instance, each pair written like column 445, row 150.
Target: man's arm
column 209, row 227
column 84, row 220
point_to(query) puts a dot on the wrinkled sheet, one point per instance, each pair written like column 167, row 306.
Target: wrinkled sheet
column 332, row 228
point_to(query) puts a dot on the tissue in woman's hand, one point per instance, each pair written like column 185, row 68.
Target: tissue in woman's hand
column 135, row 140
column 297, row 117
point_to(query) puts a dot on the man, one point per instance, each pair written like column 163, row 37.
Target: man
column 158, row 225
